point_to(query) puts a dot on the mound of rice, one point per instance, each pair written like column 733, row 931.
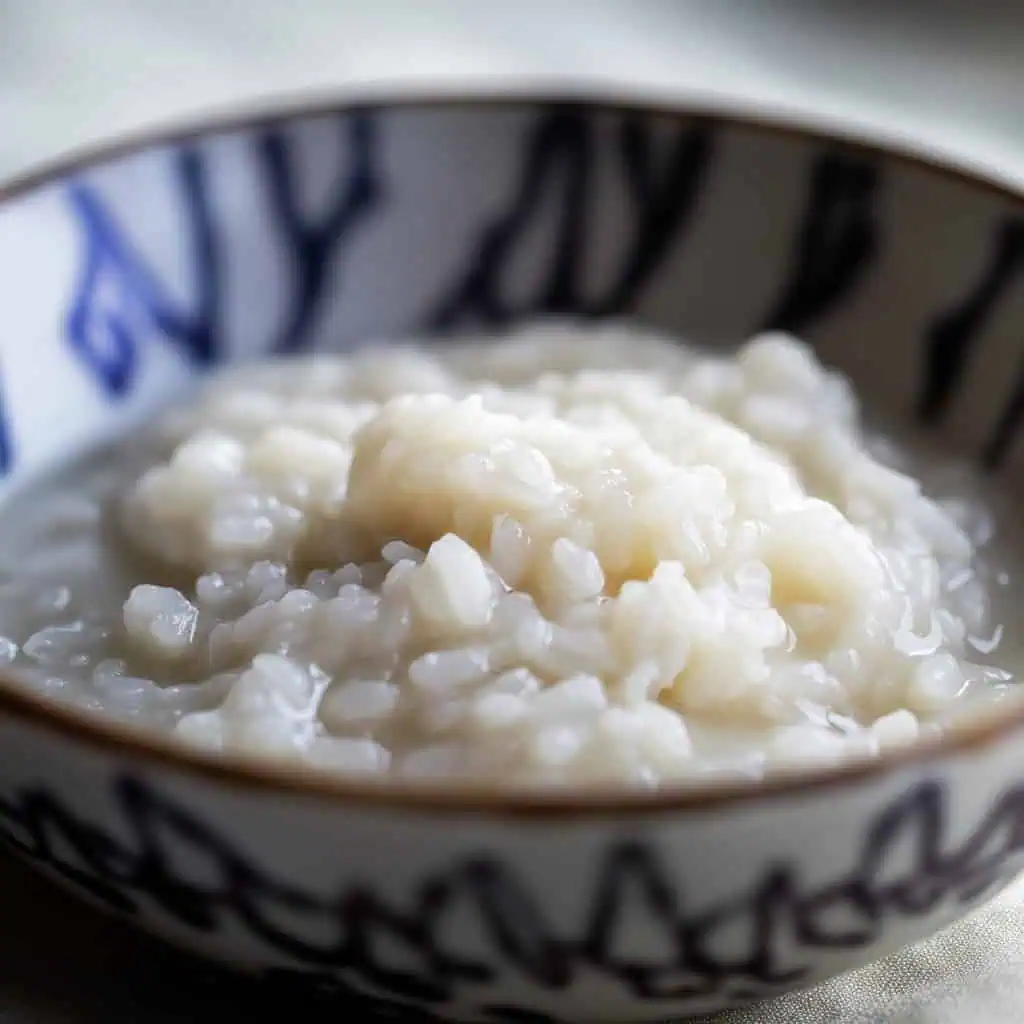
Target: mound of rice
column 566, row 555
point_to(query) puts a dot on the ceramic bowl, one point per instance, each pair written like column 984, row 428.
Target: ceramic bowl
column 127, row 274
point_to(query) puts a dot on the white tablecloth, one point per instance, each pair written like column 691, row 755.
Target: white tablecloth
column 941, row 75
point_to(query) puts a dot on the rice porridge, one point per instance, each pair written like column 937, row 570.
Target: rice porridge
column 569, row 554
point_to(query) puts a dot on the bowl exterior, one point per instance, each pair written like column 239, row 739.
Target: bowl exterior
column 469, row 915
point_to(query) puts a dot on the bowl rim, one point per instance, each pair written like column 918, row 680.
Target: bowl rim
column 980, row 729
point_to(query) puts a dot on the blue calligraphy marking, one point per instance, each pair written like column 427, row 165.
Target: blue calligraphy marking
column 315, row 246
column 6, row 445
column 835, row 244
column 560, row 157
column 118, row 298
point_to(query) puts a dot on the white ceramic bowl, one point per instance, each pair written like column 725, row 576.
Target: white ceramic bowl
column 127, row 274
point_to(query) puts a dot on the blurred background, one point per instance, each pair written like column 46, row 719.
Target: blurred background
column 944, row 74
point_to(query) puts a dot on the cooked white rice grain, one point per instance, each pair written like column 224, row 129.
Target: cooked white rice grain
column 567, row 556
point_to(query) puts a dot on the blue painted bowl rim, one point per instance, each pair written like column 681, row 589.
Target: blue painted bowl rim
column 251, row 773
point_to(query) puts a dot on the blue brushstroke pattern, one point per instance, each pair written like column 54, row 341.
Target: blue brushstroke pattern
column 835, row 245
column 315, row 246
column 561, row 153
column 108, row 341
column 6, row 443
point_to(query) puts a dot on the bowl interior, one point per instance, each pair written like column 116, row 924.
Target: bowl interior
column 128, row 277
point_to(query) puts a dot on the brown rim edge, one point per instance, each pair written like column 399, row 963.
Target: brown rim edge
column 977, row 730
